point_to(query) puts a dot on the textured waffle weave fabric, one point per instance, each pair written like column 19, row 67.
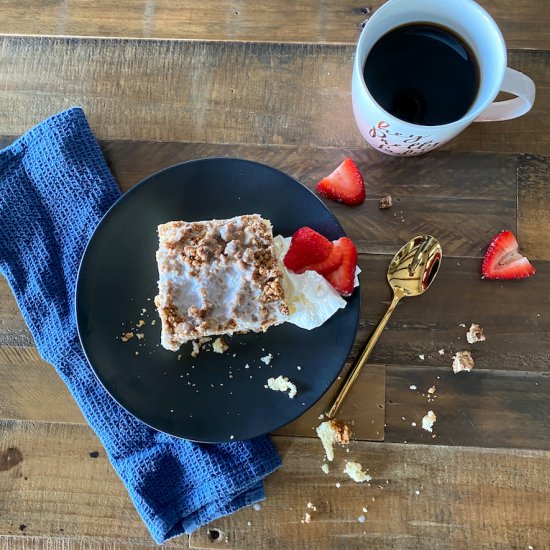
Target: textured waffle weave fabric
column 54, row 188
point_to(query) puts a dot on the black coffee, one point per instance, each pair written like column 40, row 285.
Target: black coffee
column 423, row 74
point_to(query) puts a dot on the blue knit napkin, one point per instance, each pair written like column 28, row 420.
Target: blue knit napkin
column 54, row 188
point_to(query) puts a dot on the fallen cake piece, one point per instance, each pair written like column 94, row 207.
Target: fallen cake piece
column 355, row 471
column 428, row 421
column 331, row 432
column 475, row 334
column 217, row 277
column 463, row 360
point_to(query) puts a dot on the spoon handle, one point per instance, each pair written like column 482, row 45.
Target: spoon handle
column 356, row 369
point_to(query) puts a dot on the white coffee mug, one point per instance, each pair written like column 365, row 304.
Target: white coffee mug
column 475, row 26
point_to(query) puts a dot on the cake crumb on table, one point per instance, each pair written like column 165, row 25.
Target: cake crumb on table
column 431, row 390
column 422, row 357
column 412, row 387
column 428, row 421
column 127, row 336
column 385, row 202
column 441, row 352
column 307, row 518
column 463, row 360
column 355, row 471
column 331, row 432
column 311, row 506
column 325, row 468
column 475, row 334
column 282, row 383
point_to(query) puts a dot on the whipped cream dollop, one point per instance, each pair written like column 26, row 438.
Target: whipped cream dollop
column 310, row 298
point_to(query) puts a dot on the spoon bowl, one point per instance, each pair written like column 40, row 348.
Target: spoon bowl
column 410, row 273
column 415, row 265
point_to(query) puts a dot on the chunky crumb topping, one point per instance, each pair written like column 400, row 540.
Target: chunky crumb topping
column 217, row 277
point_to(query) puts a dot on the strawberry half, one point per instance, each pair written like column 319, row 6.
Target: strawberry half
column 345, row 184
column 306, row 247
column 333, row 261
column 343, row 277
column 503, row 261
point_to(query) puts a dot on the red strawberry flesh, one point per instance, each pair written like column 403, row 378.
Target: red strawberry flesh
column 343, row 277
column 503, row 261
column 345, row 184
column 333, row 261
column 306, row 247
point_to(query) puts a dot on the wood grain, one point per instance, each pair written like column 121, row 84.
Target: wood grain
column 534, row 206
column 514, row 316
column 263, row 93
column 483, row 408
column 438, row 193
column 522, row 24
column 56, row 489
column 467, row 498
column 32, row 390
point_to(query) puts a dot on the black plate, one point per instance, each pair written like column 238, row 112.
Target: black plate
column 212, row 398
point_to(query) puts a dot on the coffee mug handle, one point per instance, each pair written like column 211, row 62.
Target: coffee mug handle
column 515, row 83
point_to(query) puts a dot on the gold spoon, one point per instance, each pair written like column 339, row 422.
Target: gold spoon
column 410, row 273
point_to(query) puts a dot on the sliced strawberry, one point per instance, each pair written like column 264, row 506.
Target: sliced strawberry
column 345, row 184
column 306, row 247
column 333, row 261
column 343, row 277
column 503, row 261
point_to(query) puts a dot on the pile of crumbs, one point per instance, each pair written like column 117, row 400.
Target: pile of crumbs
column 282, row 383
column 219, row 345
column 428, row 421
column 462, row 360
column 355, row 471
column 331, row 432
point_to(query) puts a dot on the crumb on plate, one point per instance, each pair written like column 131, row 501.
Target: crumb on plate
column 282, row 383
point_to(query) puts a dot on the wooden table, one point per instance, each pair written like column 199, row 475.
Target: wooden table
column 163, row 82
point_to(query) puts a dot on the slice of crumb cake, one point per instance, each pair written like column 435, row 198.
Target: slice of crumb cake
column 217, row 277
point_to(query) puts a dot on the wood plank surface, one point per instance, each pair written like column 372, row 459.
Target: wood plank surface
column 522, row 24
column 50, row 484
column 483, row 408
column 261, row 93
column 424, row 497
column 514, row 315
column 495, row 508
column 439, row 193
column 534, row 206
